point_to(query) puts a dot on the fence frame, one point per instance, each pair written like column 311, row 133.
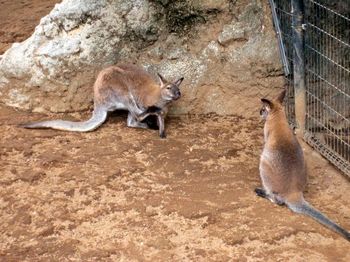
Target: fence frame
column 299, row 65
column 288, row 17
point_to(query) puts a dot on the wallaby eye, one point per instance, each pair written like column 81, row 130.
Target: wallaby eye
column 168, row 87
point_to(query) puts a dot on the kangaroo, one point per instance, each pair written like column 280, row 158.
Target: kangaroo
column 282, row 166
column 125, row 87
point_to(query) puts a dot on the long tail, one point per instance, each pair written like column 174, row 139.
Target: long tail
column 305, row 208
column 98, row 117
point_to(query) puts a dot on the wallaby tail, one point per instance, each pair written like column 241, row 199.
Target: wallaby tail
column 98, row 117
column 305, row 208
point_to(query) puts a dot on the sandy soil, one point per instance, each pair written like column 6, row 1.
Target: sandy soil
column 18, row 19
column 122, row 194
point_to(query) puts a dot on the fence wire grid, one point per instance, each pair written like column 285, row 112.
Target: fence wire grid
column 327, row 75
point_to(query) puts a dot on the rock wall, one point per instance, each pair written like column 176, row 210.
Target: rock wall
column 225, row 49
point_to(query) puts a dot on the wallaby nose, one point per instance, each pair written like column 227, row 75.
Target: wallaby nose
column 178, row 94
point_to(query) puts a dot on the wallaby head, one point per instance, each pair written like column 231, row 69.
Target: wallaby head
column 170, row 90
column 270, row 107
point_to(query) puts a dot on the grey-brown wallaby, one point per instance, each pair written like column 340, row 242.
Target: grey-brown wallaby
column 282, row 166
column 125, row 87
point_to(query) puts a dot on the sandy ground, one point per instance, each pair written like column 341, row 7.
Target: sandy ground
column 122, row 194
column 18, row 19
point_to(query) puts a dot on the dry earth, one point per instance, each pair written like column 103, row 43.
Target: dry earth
column 18, row 19
column 122, row 194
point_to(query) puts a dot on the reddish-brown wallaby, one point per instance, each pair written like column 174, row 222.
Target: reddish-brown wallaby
column 125, row 87
column 282, row 166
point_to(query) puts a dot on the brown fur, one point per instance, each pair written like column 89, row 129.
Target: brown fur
column 282, row 166
column 127, row 87
column 120, row 79
column 287, row 172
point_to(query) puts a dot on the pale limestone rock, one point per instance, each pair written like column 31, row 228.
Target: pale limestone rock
column 226, row 50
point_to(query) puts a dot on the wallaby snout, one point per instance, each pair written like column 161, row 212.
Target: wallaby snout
column 177, row 95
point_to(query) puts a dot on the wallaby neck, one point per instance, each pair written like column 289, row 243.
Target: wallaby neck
column 161, row 103
column 276, row 125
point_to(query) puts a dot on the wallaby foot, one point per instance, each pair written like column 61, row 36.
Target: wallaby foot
column 273, row 198
column 133, row 122
column 162, row 134
column 260, row 192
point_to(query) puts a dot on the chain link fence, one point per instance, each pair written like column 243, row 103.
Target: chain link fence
column 326, row 55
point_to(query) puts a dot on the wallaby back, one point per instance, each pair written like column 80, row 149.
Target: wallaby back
column 125, row 80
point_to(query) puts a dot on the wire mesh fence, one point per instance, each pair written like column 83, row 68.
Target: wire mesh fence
column 327, row 56
column 327, row 75
column 284, row 15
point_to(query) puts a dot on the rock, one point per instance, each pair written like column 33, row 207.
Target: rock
column 226, row 50
column 249, row 24
column 211, row 4
column 231, row 33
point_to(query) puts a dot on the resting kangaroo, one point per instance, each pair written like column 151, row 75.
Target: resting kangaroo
column 126, row 87
column 282, row 166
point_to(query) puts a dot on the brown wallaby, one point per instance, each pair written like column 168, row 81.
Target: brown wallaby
column 126, row 87
column 282, row 166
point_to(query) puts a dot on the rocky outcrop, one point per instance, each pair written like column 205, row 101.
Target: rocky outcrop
column 225, row 49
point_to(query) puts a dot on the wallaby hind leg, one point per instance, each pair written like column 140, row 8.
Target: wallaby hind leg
column 133, row 122
column 273, row 198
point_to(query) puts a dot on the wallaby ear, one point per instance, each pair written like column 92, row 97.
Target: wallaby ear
column 178, row 82
column 281, row 96
column 267, row 103
column 161, row 79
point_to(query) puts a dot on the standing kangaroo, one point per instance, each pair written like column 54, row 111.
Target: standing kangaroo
column 126, row 87
column 282, row 166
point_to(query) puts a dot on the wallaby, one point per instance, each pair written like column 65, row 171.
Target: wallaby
column 282, row 166
column 125, row 87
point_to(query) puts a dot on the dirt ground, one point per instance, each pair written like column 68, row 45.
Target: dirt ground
column 18, row 19
column 122, row 194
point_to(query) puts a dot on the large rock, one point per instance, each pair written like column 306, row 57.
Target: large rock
column 225, row 49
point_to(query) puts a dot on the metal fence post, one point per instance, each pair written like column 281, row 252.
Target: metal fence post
column 282, row 48
column 299, row 64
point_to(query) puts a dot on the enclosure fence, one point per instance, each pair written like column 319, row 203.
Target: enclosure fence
column 314, row 38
